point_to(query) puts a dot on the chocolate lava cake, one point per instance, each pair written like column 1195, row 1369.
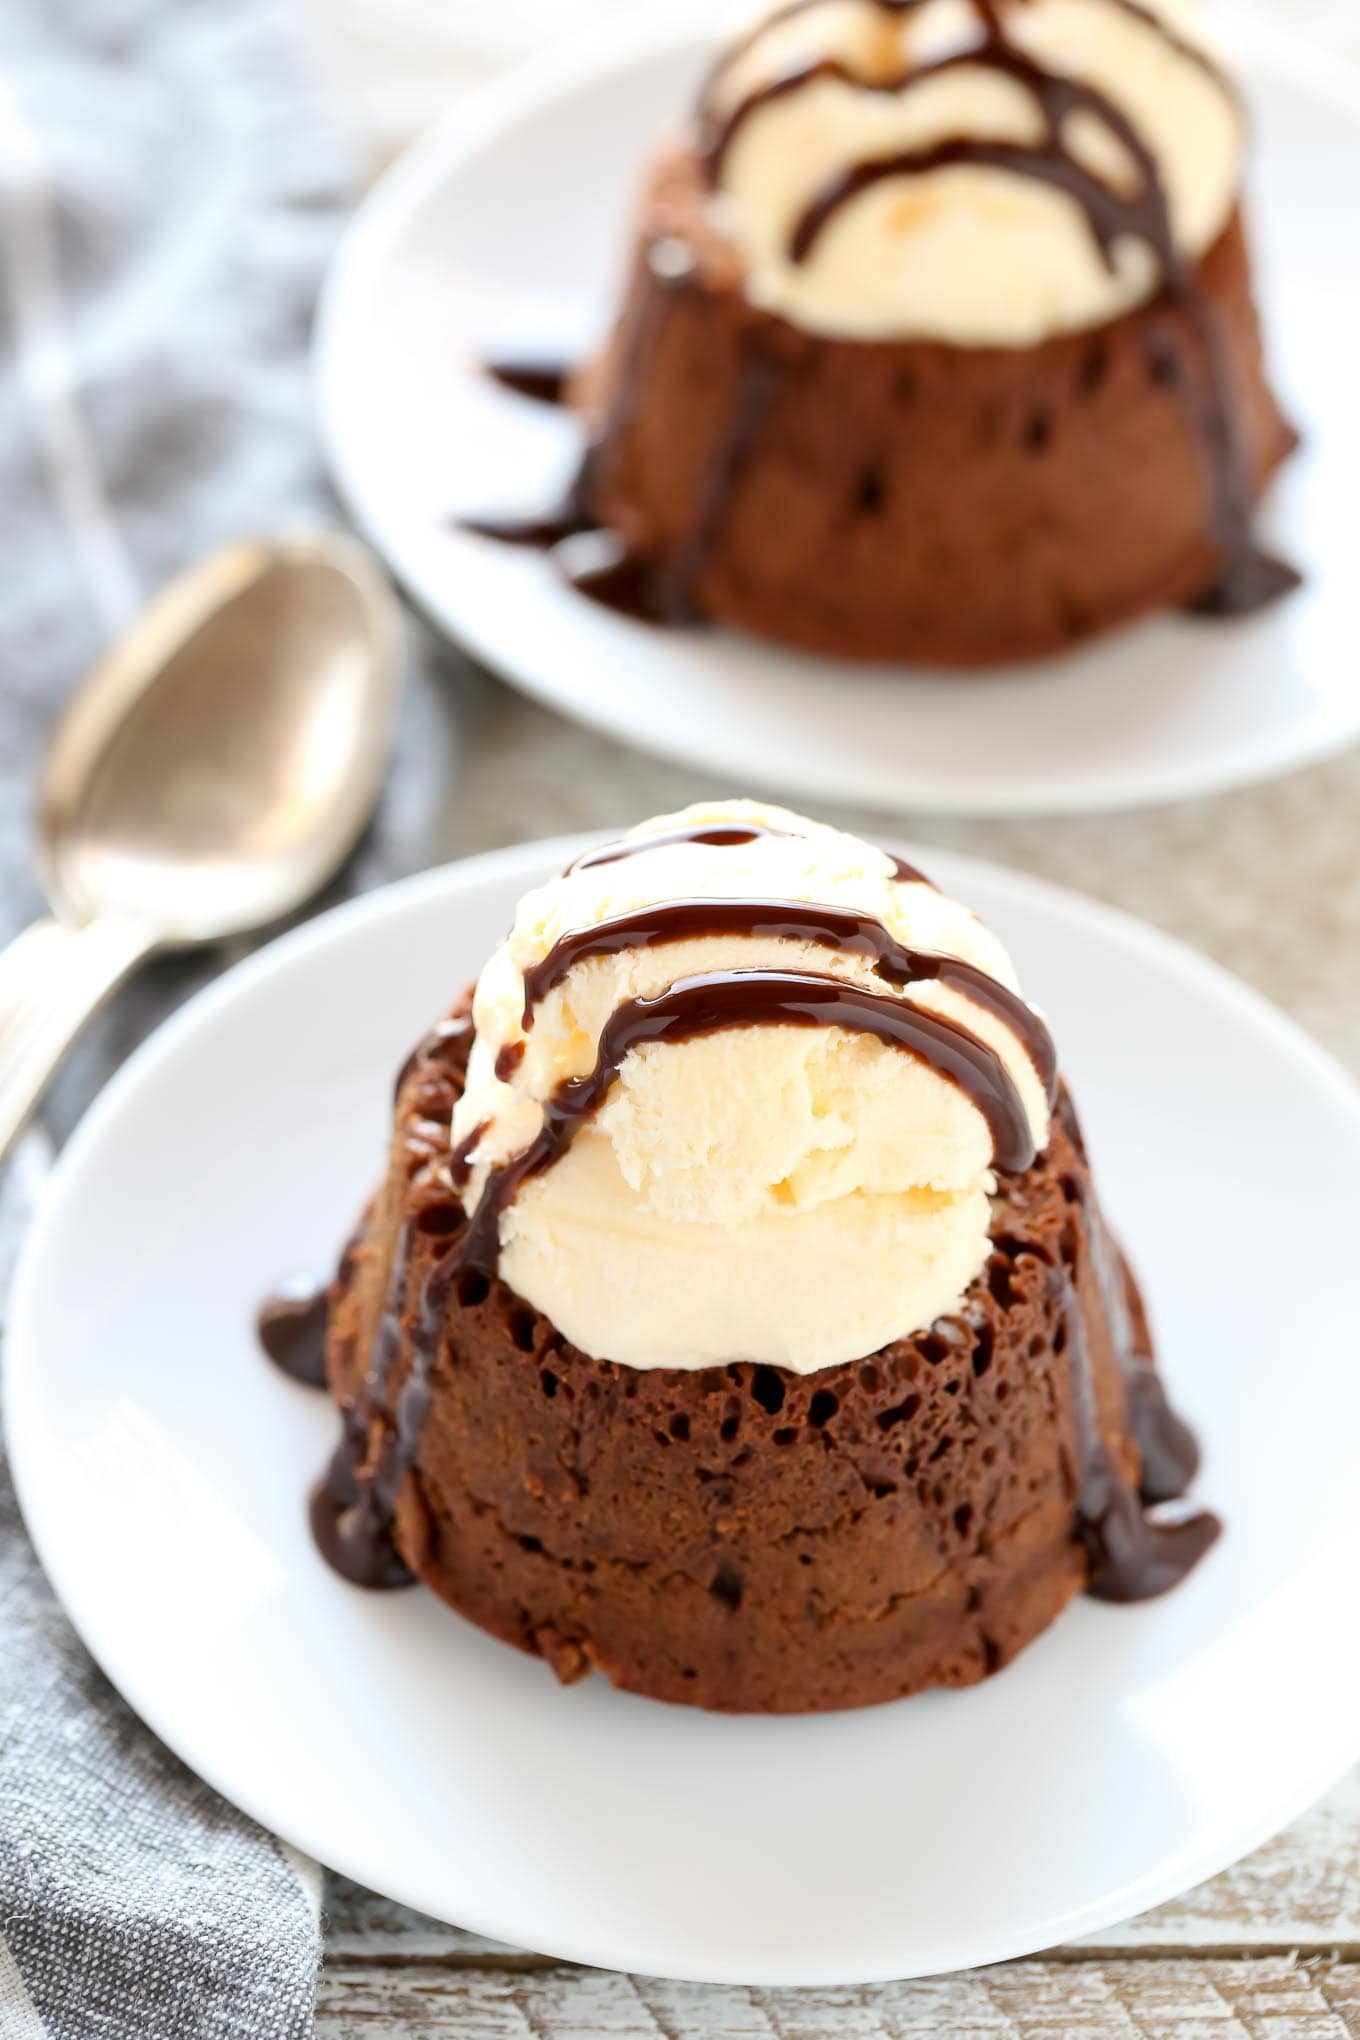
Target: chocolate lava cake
column 1046, row 427
column 749, row 1536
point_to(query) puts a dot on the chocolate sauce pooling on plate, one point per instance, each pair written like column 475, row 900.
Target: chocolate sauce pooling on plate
column 1249, row 580
column 1167, row 1446
column 353, row 1504
column 291, row 1326
column 539, row 534
column 543, row 382
column 608, row 572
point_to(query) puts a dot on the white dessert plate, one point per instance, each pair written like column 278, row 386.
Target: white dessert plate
column 503, row 231
column 162, row 1465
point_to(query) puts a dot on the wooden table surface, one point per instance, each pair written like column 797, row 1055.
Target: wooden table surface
column 1267, row 880
column 1269, row 1950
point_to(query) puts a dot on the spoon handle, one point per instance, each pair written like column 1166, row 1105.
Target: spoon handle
column 53, row 977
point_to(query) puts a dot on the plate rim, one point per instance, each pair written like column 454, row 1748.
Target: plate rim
column 487, row 110
column 19, row 1406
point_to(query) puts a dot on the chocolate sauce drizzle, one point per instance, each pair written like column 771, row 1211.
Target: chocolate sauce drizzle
column 717, row 1002
column 720, row 836
column 839, row 928
column 600, row 565
column 989, row 14
column 353, row 1504
column 291, row 1327
column 439, row 1045
column 1168, row 1447
column 1134, row 1554
column 1249, row 578
column 542, row 382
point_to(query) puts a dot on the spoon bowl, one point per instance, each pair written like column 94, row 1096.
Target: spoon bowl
column 220, row 762
column 213, row 772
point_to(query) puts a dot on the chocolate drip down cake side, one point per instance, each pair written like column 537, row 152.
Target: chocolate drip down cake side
column 737, row 1316
column 939, row 342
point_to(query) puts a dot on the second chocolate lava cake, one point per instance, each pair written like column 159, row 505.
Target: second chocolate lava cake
column 939, row 342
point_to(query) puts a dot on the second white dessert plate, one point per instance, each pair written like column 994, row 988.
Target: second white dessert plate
column 503, row 231
column 162, row 1465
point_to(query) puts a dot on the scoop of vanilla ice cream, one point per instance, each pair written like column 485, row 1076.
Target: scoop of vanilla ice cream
column 966, row 254
column 795, row 1195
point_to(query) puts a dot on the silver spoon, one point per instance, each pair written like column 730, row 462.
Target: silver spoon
column 212, row 773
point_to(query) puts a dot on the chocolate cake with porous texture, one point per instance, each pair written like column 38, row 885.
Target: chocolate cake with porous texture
column 741, row 1537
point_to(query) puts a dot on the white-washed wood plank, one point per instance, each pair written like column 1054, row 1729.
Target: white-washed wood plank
column 360, row 1924
column 1300, row 1891
column 1243, row 1998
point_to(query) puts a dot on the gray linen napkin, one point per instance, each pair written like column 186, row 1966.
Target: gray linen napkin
column 168, row 195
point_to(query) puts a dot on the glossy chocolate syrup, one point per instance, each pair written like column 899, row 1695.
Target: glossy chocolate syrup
column 607, row 571
column 1168, row 1448
column 756, row 393
column 720, row 836
column 460, row 1155
column 536, row 534
column 439, row 1045
column 839, row 928
column 291, row 1327
column 508, row 1060
column 543, row 382
column 612, row 576
column 719, row 1001
column 988, row 12
column 1133, row 1555
column 353, row 1504
column 615, row 578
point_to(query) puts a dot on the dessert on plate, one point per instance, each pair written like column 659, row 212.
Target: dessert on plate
column 939, row 341
column 737, row 1315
